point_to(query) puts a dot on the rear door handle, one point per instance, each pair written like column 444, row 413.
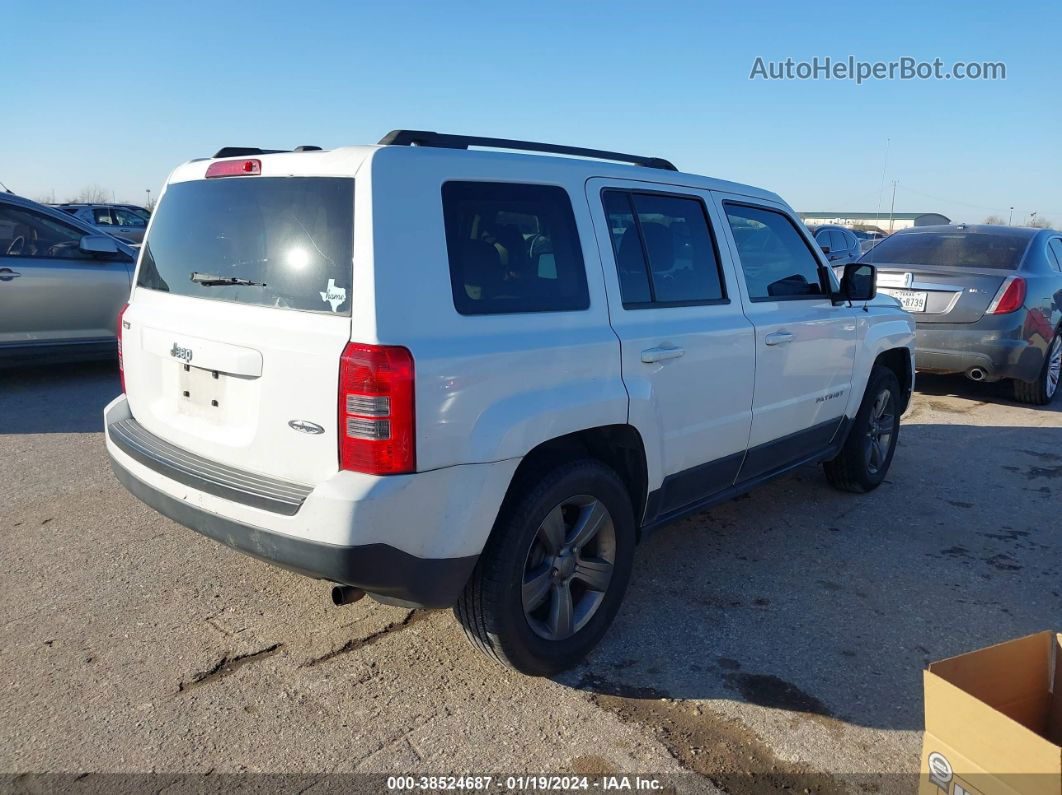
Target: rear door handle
column 6, row 274
column 778, row 338
column 651, row 355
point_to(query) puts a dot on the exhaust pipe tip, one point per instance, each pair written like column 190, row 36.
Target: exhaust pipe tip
column 976, row 374
column 346, row 595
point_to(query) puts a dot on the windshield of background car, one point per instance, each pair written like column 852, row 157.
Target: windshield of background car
column 292, row 236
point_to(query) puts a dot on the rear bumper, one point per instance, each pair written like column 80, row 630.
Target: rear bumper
column 996, row 346
column 411, row 538
column 377, row 568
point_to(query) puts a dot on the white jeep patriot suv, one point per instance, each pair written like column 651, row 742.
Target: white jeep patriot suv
column 477, row 378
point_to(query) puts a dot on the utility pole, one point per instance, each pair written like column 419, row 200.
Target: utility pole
column 892, row 207
column 1032, row 217
column 149, row 199
column 1011, row 221
column 884, row 167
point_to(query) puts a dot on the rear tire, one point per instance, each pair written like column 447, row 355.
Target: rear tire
column 554, row 570
column 864, row 460
column 1043, row 390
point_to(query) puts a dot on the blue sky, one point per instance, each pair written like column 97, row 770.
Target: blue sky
column 116, row 94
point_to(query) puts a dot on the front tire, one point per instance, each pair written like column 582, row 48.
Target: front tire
column 1043, row 390
column 864, row 460
column 554, row 571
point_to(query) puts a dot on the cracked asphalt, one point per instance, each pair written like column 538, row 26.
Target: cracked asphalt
column 779, row 635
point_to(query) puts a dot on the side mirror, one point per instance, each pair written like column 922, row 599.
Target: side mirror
column 859, row 281
column 99, row 245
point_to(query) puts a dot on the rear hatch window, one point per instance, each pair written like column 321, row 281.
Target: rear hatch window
column 283, row 242
column 954, row 249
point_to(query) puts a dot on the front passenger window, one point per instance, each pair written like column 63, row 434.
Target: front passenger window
column 24, row 233
column 129, row 218
column 777, row 262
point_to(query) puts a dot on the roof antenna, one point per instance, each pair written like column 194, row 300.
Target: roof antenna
column 2, row 185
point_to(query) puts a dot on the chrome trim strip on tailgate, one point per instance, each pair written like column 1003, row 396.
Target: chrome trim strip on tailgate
column 259, row 491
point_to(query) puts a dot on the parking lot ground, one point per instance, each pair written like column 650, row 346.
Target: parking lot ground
column 779, row 635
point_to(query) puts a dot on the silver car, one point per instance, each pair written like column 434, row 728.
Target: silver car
column 118, row 220
column 987, row 301
column 62, row 284
column 838, row 243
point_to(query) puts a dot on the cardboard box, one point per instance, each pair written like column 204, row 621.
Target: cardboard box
column 994, row 720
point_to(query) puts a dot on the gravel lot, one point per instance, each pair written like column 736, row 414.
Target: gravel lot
column 780, row 634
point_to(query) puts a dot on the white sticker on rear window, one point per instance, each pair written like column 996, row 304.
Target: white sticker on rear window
column 334, row 295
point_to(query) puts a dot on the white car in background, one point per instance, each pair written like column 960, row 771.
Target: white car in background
column 118, row 220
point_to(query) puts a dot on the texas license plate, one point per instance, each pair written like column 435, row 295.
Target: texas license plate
column 911, row 300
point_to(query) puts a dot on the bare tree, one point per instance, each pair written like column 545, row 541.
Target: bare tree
column 45, row 198
column 995, row 220
column 92, row 194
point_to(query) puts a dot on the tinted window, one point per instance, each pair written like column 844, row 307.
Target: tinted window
column 512, row 248
column 627, row 248
column 838, row 242
column 128, row 218
column 672, row 233
column 775, row 259
column 956, row 248
column 293, row 234
column 102, row 217
column 1055, row 249
column 24, row 233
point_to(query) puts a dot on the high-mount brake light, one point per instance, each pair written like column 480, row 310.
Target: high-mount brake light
column 1010, row 298
column 376, row 410
column 122, row 325
column 234, row 168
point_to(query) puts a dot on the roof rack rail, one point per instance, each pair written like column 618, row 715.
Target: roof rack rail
column 246, row 151
column 446, row 141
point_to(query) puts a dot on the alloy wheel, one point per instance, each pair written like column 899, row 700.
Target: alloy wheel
column 1054, row 366
column 568, row 567
column 882, row 422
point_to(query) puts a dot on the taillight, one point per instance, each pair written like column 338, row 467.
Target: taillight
column 234, row 168
column 121, row 363
column 1010, row 298
column 376, row 415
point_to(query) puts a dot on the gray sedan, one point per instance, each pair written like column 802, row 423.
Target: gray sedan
column 987, row 301
column 62, row 284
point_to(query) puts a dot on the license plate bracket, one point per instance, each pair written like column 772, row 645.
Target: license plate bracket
column 199, row 388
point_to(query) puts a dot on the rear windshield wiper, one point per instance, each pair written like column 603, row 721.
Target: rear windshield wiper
column 213, row 280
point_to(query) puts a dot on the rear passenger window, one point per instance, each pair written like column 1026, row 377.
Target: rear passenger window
column 512, row 248
column 664, row 250
column 1056, row 251
column 777, row 262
